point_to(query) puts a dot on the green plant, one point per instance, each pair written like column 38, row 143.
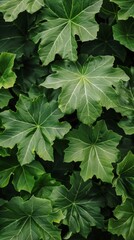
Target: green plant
column 67, row 119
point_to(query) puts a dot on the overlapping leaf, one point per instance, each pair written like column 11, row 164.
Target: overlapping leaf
column 79, row 204
column 11, row 9
column 64, row 21
column 126, row 8
column 124, row 222
column 34, row 127
column 5, row 96
column 95, row 148
column 123, row 32
column 32, row 219
column 124, row 184
column 7, row 76
column 23, row 176
column 86, row 87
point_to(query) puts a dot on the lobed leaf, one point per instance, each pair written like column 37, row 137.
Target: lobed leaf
column 126, row 8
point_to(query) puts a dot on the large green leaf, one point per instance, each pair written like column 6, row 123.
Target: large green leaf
column 79, row 204
column 60, row 22
column 5, row 96
column 7, row 76
column 95, row 148
column 86, row 87
column 124, row 184
column 126, row 8
column 123, row 32
column 11, row 9
column 23, row 176
column 31, row 220
column 124, row 222
column 34, row 127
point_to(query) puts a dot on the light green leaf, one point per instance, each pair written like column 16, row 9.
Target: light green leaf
column 95, row 148
column 124, row 222
column 5, row 96
column 123, row 32
column 11, row 9
column 31, row 220
column 86, row 87
column 124, row 184
column 33, row 127
column 57, row 27
column 126, row 8
column 79, row 204
column 23, row 176
column 7, row 76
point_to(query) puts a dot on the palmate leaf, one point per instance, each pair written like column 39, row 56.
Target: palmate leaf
column 124, row 222
column 79, row 204
column 126, row 8
column 85, row 87
column 123, row 32
column 5, row 96
column 7, row 76
column 33, row 127
column 11, row 9
column 59, row 23
column 23, row 176
column 95, row 148
column 30, row 220
column 124, row 184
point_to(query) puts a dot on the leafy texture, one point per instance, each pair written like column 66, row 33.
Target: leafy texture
column 80, row 206
column 123, row 32
column 5, row 96
column 126, row 8
column 96, row 148
column 85, row 87
column 32, row 219
column 7, row 76
column 64, row 21
column 11, row 9
column 125, row 182
column 36, row 127
column 23, row 176
column 124, row 222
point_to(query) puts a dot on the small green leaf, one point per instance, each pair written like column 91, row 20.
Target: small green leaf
column 5, row 96
column 7, row 76
column 79, row 204
column 126, row 8
column 124, row 222
column 32, row 219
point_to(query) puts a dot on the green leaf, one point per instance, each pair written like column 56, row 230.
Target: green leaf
column 11, row 9
column 5, row 96
column 23, row 176
column 124, row 184
column 32, row 219
column 109, row 11
column 124, row 222
column 7, row 76
column 126, row 8
column 123, row 32
column 57, row 27
column 79, row 204
column 33, row 127
column 85, row 87
column 95, row 148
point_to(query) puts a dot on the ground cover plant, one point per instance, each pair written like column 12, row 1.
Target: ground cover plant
column 66, row 119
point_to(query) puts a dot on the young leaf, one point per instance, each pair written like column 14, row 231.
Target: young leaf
column 95, row 148
column 126, row 8
column 7, row 76
column 85, row 87
column 123, row 32
column 33, row 127
column 124, row 222
column 124, row 184
column 11, row 9
column 5, row 96
column 32, row 219
column 79, row 204
column 58, row 25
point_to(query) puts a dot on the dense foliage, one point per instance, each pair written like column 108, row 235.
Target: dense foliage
column 66, row 119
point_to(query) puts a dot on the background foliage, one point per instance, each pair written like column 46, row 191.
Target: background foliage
column 66, row 119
